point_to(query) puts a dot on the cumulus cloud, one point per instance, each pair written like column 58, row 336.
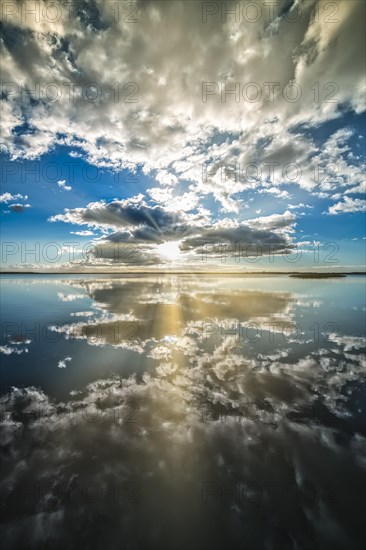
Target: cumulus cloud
column 300, row 205
column 84, row 233
column 62, row 363
column 348, row 343
column 135, row 122
column 62, row 185
column 274, row 222
column 15, row 207
column 7, row 197
column 82, row 313
column 348, row 205
column 69, row 297
column 151, row 223
column 361, row 188
column 18, row 208
column 9, row 350
column 207, row 151
column 137, row 228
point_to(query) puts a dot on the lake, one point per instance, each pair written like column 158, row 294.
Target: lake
column 183, row 411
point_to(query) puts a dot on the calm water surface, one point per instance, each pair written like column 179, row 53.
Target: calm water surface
column 183, row 412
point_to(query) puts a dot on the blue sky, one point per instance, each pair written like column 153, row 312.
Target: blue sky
column 127, row 171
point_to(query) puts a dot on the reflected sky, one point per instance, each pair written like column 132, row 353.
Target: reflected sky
column 180, row 411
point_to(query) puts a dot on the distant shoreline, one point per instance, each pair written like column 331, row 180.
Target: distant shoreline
column 294, row 274
column 319, row 275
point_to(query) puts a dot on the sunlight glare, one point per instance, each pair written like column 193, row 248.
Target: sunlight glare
column 169, row 250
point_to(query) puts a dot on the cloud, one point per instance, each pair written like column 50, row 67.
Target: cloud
column 335, row 164
column 240, row 239
column 18, row 207
column 274, row 222
column 62, row 185
column 129, row 254
column 150, row 223
column 275, row 191
column 134, row 228
column 348, row 206
column 62, row 364
column 69, row 297
column 300, row 205
column 9, row 350
column 134, row 122
column 15, row 207
column 7, row 197
column 145, row 226
column 349, row 343
column 361, row 188
column 85, row 233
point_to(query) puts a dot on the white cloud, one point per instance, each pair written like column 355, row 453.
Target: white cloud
column 300, row 205
column 347, row 206
column 86, row 233
column 62, row 185
column 170, row 131
column 275, row 191
column 9, row 350
column 361, row 188
column 62, row 364
column 8, row 197
column 69, row 297
column 274, row 222
column 18, row 207
column 348, row 342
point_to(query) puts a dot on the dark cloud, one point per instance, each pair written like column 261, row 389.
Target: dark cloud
column 147, row 226
column 256, row 241
column 18, row 207
column 126, row 252
column 142, row 221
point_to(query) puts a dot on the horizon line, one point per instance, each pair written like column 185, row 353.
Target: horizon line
column 182, row 272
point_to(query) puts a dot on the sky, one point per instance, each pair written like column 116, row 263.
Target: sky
column 183, row 135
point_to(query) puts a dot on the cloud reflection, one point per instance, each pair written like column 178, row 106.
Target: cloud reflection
column 221, row 440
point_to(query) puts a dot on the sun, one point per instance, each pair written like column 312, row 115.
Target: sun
column 169, row 250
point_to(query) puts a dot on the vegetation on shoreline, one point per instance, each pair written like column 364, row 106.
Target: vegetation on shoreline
column 317, row 275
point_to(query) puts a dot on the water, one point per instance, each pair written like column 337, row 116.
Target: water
column 180, row 411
